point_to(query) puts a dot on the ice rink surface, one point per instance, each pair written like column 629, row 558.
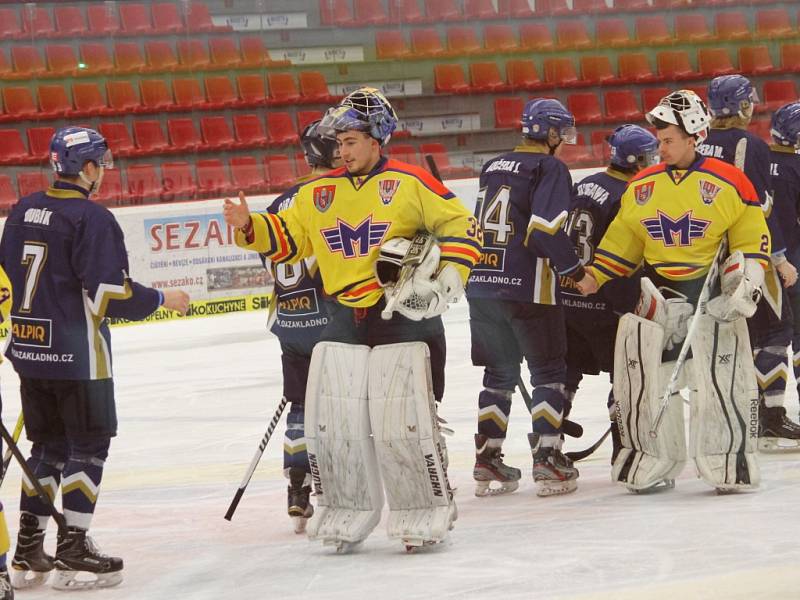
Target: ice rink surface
column 194, row 399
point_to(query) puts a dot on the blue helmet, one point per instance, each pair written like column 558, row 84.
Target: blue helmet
column 730, row 95
column 632, row 146
column 320, row 151
column 541, row 114
column 785, row 127
column 73, row 147
column 366, row 109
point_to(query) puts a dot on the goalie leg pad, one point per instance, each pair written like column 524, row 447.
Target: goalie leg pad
column 341, row 452
column 640, row 379
column 724, row 426
column 409, row 444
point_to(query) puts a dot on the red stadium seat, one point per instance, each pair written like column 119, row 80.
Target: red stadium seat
column 755, row 60
column 426, row 42
column 306, row 117
column 442, row 10
column 635, row 68
column 212, row 178
column 405, row 11
column 621, row 105
column 95, row 59
column 572, row 34
column 135, row 19
column 762, row 128
column 39, row 142
column 303, row 170
column 8, row 196
column 156, row 96
column 224, row 52
column 612, row 33
column 111, row 192
column 10, row 28
column 479, row 10
column 391, row 44
column 187, row 93
column 29, row 182
column 121, row 96
column 118, row 138
column 652, row 96
column 102, row 19
column 128, row 58
column 199, row 19
column 731, row 26
column 579, row 154
column 53, row 101
column 6, row 71
column 449, row 79
column 535, row 37
column 220, row 92
column 149, row 137
column 61, row 60
column 462, row 41
column 143, row 183
column 522, row 75
column 597, row 70
column 160, row 56
column 254, row 54
column 560, row 72
column 585, row 106
column 369, row 13
column 712, row 62
column 27, row 61
column 779, row 92
column 313, row 87
column 600, row 148
column 691, row 28
column 280, row 129
column 193, row 54
column 183, row 135
column 19, row 102
column 674, row 64
column 166, row 18
column 69, row 21
column 335, row 12
column 442, row 159
column 282, row 88
column 499, row 39
column 88, row 99
column 652, row 31
column 773, row 22
column 177, row 182
column 247, row 174
column 249, row 131
column 280, row 172
column 405, row 153
column 551, row 7
column 790, row 57
column 36, row 21
column 485, row 77
column 508, row 112
column 514, row 8
column 252, row 91
column 12, row 148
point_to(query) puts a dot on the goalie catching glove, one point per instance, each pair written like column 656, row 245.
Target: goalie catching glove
column 740, row 281
column 424, row 293
column 672, row 314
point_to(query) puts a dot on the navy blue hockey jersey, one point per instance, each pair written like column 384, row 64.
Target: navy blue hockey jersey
column 522, row 205
column 785, row 169
column 300, row 313
column 724, row 144
column 595, row 203
column 66, row 259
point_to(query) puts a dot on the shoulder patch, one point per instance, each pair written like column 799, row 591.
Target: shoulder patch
column 323, row 196
column 643, row 192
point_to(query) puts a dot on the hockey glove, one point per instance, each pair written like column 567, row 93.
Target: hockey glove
column 673, row 314
column 741, row 282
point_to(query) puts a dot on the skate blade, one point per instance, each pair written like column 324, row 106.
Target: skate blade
column 660, row 486
column 483, row 488
column 414, row 545
column 299, row 524
column 77, row 580
column 777, row 445
column 555, row 488
column 23, row 578
column 341, row 546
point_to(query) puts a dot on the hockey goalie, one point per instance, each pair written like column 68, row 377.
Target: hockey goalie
column 676, row 218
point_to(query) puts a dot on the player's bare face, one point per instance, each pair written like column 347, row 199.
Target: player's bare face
column 359, row 152
column 675, row 147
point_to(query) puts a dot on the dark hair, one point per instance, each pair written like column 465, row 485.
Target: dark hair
column 659, row 124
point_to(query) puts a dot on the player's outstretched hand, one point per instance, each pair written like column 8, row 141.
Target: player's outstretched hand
column 176, row 300
column 235, row 214
column 587, row 285
column 787, row 273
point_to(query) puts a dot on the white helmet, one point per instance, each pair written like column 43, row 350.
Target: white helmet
column 685, row 109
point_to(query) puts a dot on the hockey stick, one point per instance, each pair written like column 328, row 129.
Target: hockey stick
column 7, row 455
column 433, row 167
column 253, row 463
column 570, row 428
column 43, row 495
column 711, row 278
column 581, row 454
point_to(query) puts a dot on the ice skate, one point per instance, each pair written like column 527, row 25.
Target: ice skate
column 6, row 590
column 80, row 564
column 31, row 566
column 299, row 492
column 489, row 467
column 552, row 471
column 776, row 433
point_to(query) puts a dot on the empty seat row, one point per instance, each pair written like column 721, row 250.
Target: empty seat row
column 573, row 34
column 558, row 72
column 408, row 153
column 154, row 56
column 100, row 19
column 156, row 95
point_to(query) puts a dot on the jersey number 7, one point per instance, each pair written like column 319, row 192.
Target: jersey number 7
column 34, row 255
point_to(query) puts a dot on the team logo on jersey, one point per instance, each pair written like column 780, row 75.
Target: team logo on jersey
column 323, row 197
column 675, row 232
column 642, row 193
column 708, row 191
column 387, row 189
column 356, row 241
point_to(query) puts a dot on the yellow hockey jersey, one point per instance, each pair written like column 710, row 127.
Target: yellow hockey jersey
column 343, row 220
column 674, row 220
column 5, row 305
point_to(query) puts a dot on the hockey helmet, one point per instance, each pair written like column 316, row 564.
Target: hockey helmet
column 731, row 95
column 632, row 145
column 542, row 114
column 685, row 109
column 320, row 151
column 785, row 128
column 366, row 109
column 72, row 147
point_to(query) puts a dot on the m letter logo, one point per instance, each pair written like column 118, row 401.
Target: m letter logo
column 675, row 232
column 356, row 241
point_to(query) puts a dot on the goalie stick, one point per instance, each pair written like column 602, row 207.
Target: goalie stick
column 581, row 454
column 253, row 463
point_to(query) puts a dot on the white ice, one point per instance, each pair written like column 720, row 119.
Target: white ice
column 194, row 399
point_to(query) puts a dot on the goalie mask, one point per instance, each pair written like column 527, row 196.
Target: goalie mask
column 365, row 109
column 685, row 109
